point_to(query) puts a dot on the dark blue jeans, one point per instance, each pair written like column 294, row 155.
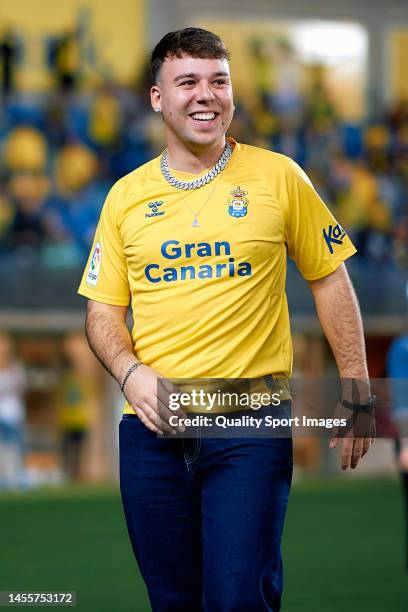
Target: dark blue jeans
column 205, row 518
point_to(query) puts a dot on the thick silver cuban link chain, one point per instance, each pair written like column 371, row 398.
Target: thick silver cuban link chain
column 203, row 180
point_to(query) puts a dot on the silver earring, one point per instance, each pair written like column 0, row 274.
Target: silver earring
column 157, row 109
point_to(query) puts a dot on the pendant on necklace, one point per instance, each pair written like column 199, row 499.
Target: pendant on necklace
column 195, row 223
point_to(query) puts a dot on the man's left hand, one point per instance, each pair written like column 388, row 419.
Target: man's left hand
column 352, row 450
column 356, row 437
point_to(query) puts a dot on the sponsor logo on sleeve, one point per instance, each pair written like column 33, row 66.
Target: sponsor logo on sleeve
column 95, row 265
column 333, row 235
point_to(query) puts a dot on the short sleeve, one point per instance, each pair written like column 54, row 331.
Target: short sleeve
column 105, row 277
column 315, row 240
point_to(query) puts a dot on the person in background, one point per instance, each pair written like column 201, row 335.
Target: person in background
column 65, row 60
column 10, row 52
column 76, row 397
column 12, row 416
column 397, row 370
column 74, row 207
column 26, row 189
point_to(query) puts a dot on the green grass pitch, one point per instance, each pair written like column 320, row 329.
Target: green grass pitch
column 343, row 547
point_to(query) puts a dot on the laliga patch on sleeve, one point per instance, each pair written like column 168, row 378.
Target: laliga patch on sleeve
column 95, row 265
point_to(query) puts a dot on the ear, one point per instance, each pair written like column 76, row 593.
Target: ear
column 155, row 98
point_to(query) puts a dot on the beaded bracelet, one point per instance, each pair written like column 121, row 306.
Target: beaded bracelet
column 128, row 373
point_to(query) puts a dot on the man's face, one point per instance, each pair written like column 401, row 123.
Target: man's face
column 195, row 98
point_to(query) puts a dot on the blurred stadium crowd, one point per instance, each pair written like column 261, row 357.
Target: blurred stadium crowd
column 61, row 150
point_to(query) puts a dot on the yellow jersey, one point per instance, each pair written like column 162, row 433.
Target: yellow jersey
column 209, row 300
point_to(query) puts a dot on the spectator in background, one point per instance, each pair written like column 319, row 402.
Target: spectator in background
column 397, row 370
column 400, row 242
column 105, row 134
column 361, row 209
column 6, row 218
column 74, row 208
column 399, row 178
column 64, row 60
column 25, row 150
column 105, row 118
column 10, row 51
column 397, row 115
column 27, row 190
column 29, row 229
column 12, row 416
column 377, row 141
column 320, row 123
column 76, row 398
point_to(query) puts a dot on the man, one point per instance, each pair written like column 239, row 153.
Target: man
column 197, row 240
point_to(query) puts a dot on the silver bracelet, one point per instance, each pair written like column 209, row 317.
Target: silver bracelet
column 128, row 373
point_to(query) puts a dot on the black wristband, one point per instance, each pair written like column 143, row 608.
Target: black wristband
column 128, row 373
column 357, row 407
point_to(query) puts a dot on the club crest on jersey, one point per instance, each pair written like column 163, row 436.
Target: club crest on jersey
column 238, row 203
column 95, row 265
column 154, row 208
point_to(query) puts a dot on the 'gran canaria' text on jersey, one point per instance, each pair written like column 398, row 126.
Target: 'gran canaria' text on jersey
column 171, row 249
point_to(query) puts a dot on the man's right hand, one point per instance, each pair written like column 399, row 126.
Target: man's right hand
column 148, row 395
column 146, row 391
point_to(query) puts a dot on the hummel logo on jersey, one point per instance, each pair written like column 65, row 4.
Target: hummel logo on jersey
column 334, row 235
column 154, row 207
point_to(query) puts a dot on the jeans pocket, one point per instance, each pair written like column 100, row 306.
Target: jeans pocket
column 130, row 417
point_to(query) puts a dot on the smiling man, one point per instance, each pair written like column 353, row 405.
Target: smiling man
column 196, row 240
